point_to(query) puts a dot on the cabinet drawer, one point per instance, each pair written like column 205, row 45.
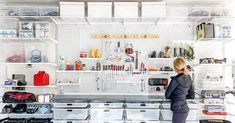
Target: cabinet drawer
column 71, row 114
column 70, row 105
column 142, row 114
column 142, row 105
column 106, row 114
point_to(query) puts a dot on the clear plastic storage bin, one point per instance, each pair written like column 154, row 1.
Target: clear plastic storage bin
column 34, row 53
column 8, row 11
column 28, row 11
column 106, row 114
column 49, row 11
column 142, row 114
column 14, row 52
column 78, row 114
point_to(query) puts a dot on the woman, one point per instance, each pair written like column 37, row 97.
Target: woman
column 180, row 88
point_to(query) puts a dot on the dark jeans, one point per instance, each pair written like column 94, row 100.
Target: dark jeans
column 179, row 117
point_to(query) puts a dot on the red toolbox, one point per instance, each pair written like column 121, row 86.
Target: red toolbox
column 41, row 79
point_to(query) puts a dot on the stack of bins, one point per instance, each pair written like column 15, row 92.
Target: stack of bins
column 71, row 112
column 102, row 111
column 142, row 112
column 166, row 113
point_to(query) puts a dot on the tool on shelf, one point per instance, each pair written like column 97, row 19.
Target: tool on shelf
column 136, row 60
column 129, row 51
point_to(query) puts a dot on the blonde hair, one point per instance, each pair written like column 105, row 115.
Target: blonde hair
column 180, row 65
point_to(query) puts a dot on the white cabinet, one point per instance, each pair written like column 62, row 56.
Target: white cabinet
column 99, row 9
column 153, row 9
column 72, row 9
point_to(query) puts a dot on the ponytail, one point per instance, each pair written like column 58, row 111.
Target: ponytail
column 180, row 65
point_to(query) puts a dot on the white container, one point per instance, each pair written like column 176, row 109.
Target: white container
column 78, row 114
column 42, row 30
column 153, row 9
column 72, row 9
column 142, row 105
column 99, row 9
column 142, row 114
column 70, row 105
column 49, row 11
column 167, row 115
column 14, row 52
column 126, row 9
column 106, row 114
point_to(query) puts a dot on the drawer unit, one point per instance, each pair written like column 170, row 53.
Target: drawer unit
column 70, row 121
column 71, row 105
column 142, row 114
column 142, row 105
column 106, row 114
column 71, row 114
column 106, row 104
column 167, row 115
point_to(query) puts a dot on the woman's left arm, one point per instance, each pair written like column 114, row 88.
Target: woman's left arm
column 171, row 88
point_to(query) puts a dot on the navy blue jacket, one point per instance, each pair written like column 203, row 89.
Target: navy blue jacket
column 181, row 88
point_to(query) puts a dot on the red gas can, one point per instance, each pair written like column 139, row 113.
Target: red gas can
column 41, row 78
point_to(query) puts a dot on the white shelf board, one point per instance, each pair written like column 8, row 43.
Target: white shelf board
column 127, row 94
column 90, row 58
column 30, row 115
column 221, row 40
column 139, row 20
column 46, row 18
column 74, row 71
column 68, row 84
column 29, row 39
column 28, row 86
column 213, row 65
column 10, row 64
column 161, row 72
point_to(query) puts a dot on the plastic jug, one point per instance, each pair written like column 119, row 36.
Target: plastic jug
column 41, row 79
